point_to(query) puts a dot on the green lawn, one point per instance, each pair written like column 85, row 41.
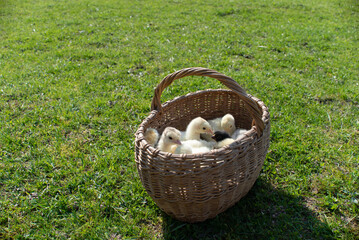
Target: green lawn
column 77, row 78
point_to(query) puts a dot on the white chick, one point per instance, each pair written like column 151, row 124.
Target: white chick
column 228, row 124
column 194, row 146
column 225, row 123
column 152, row 136
column 169, row 140
column 238, row 133
column 195, row 128
column 222, row 139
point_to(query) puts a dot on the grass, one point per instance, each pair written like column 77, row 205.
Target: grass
column 77, row 78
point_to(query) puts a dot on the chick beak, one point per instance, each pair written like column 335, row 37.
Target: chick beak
column 213, row 137
column 210, row 131
column 178, row 142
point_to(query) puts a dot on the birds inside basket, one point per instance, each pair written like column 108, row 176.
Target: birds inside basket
column 200, row 136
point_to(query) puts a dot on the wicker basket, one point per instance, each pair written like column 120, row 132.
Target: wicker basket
column 196, row 187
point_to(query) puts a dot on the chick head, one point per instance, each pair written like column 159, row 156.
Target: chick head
column 172, row 135
column 202, row 126
column 228, row 123
column 220, row 135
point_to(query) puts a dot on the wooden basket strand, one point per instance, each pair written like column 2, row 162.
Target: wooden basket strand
column 252, row 106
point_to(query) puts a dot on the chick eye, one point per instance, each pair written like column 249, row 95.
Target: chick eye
column 204, row 128
column 170, row 138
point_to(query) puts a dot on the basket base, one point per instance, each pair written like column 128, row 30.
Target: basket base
column 202, row 211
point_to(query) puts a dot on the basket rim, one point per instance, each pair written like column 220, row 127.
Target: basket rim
column 249, row 136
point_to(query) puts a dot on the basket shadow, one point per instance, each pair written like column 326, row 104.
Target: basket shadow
column 264, row 213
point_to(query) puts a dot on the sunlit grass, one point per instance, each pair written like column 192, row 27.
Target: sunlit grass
column 77, row 78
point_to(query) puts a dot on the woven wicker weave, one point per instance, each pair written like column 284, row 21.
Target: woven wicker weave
column 196, row 187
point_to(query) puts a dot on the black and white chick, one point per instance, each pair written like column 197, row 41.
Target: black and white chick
column 222, row 139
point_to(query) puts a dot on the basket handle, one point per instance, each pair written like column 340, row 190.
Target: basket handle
column 251, row 105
